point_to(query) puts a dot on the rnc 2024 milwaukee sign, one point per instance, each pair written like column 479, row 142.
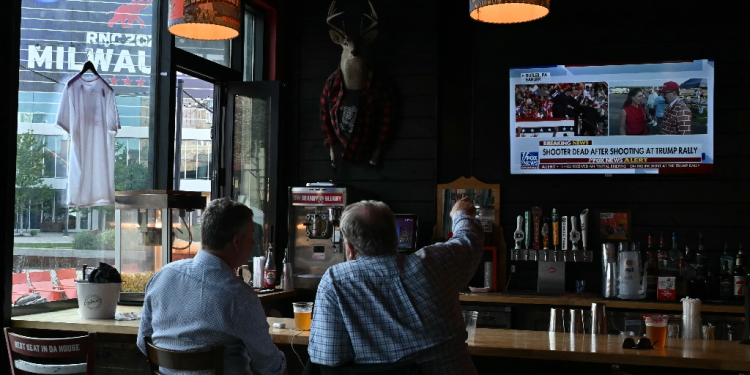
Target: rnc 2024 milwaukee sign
column 58, row 37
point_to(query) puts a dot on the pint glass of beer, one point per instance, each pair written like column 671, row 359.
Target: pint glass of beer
column 656, row 329
column 302, row 315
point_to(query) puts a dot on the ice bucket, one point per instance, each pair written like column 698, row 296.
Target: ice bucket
column 97, row 300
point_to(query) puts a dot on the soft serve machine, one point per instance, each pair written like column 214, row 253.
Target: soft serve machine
column 314, row 237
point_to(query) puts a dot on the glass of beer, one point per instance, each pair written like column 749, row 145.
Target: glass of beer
column 302, row 315
column 656, row 329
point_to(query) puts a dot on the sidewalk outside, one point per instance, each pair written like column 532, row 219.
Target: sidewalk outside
column 43, row 237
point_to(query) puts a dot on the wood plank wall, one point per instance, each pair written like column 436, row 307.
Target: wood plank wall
column 454, row 116
column 406, row 51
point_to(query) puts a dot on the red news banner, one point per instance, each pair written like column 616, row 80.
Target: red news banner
column 583, row 154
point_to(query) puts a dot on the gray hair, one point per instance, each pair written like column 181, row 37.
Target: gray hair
column 221, row 221
column 370, row 227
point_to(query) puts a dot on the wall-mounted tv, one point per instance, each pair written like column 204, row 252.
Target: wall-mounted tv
column 605, row 119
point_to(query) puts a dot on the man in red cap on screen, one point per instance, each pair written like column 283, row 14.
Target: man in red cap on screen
column 677, row 116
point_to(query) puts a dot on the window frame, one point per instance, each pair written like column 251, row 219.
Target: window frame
column 166, row 60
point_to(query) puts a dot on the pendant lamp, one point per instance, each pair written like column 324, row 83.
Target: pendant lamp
column 204, row 19
column 508, row 11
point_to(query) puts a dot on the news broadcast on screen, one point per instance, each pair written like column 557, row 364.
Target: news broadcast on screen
column 654, row 118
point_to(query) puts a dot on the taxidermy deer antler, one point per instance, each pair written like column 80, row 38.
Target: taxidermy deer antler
column 354, row 67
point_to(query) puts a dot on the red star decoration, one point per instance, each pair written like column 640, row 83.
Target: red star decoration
column 113, row 81
column 140, row 81
column 126, row 81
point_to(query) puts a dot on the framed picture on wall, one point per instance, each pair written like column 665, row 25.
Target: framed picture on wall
column 614, row 225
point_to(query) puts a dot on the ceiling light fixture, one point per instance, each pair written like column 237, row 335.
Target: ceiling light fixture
column 508, row 11
column 204, row 20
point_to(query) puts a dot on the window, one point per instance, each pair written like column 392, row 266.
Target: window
column 197, row 101
column 253, row 46
column 117, row 36
column 57, row 38
column 217, row 51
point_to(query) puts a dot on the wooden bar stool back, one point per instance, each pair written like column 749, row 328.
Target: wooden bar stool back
column 192, row 360
column 69, row 351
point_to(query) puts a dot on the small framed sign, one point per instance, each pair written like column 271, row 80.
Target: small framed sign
column 614, row 225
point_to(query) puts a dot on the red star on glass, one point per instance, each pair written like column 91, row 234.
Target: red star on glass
column 140, row 81
column 126, row 81
column 113, row 81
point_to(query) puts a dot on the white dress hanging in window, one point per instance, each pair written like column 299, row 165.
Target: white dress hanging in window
column 88, row 112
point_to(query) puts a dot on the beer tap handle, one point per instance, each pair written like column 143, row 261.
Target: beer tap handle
column 584, row 228
column 575, row 235
column 518, row 235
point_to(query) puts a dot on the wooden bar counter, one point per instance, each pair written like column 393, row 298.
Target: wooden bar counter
column 70, row 320
column 584, row 300
column 699, row 354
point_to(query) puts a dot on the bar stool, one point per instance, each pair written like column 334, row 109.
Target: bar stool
column 191, row 360
column 21, row 349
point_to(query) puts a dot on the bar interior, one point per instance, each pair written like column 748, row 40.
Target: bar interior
column 583, row 135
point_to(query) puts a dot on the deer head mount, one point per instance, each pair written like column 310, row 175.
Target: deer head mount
column 354, row 65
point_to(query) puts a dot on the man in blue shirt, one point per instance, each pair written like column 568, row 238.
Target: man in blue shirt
column 385, row 307
column 197, row 303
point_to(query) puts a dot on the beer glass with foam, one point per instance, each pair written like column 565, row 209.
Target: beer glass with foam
column 302, row 315
column 656, row 329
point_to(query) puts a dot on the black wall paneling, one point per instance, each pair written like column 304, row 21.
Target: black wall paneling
column 406, row 52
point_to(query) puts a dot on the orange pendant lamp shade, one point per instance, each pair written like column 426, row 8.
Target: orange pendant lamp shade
column 508, row 11
column 204, row 19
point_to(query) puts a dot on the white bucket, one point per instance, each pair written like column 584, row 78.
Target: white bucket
column 97, row 300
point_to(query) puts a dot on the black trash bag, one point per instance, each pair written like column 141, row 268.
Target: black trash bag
column 104, row 274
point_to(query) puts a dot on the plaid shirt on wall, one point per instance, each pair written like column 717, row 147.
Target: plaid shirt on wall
column 375, row 118
column 677, row 119
column 390, row 308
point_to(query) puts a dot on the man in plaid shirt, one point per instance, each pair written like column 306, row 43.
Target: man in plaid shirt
column 677, row 116
column 385, row 307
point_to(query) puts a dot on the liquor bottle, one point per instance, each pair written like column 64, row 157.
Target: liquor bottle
column 652, row 276
column 629, row 272
column 649, row 249
column 269, row 277
column 705, row 280
column 681, row 281
column 698, row 262
column 674, row 256
column 739, row 274
column 726, row 282
column 689, row 260
column 726, row 258
column 662, row 258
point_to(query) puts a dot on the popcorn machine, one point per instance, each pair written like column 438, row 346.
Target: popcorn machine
column 153, row 228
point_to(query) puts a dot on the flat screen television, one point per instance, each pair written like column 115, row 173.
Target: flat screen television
column 406, row 230
column 607, row 119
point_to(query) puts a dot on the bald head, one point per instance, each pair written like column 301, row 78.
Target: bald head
column 370, row 227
